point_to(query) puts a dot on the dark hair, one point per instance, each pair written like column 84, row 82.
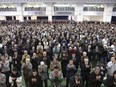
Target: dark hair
column 34, row 70
column 14, row 69
column 114, row 72
column 76, row 74
column 56, row 67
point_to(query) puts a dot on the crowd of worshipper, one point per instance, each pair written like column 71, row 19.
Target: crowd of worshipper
column 47, row 54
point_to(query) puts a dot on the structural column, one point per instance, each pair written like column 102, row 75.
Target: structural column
column 20, row 12
column 49, row 11
column 107, row 15
column 78, row 13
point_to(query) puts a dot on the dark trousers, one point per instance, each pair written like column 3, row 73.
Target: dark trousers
column 67, row 82
column 45, row 82
column 85, row 77
column 64, row 72
column 26, row 78
column 87, row 81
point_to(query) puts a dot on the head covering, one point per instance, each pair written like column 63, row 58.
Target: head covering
column 114, row 72
column 85, row 53
column 41, row 63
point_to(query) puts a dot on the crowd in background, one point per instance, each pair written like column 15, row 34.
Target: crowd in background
column 83, row 54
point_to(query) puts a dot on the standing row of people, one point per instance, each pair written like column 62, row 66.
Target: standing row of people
column 61, row 48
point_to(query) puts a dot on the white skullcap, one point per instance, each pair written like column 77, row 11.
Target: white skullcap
column 41, row 63
column 105, row 45
column 85, row 53
column 112, row 46
column 75, row 48
column 70, row 48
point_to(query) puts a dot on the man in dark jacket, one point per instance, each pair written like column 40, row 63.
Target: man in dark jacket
column 15, row 78
column 76, row 81
column 85, row 71
column 64, row 62
column 70, row 71
column 96, row 78
column 35, row 79
column 111, row 82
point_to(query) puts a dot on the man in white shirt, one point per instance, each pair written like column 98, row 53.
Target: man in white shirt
column 111, row 66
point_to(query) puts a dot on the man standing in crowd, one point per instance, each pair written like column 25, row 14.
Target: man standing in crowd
column 2, row 79
column 96, row 78
column 43, row 72
column 85, row 71
column 25, row 56
column 34, row 61
column 5, row 68
column 55, row 62
column 56, row 77
column 27, row 70
column 16, row 62
column 111, row 82
column 64, row 62
column 111, row 66
column 76, row 81
column 35, row 79
column 15, row 78
column 70, row 71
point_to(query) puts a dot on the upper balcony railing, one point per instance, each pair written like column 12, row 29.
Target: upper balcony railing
column 93, row 9
column 64, row 8
column 8, row 9
column 35, row 8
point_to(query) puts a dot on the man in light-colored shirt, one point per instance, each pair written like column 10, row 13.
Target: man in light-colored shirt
column 2, row 79
column 111, row 66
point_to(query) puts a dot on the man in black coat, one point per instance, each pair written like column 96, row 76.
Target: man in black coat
column 85, row 71
column 35, row 79
column 96, row 78
column 70, row 71
column 76, row 81
column 111, row 82
column 15, row 78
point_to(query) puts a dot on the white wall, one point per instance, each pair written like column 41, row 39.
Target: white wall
column 93, row 18
column 2, row 18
